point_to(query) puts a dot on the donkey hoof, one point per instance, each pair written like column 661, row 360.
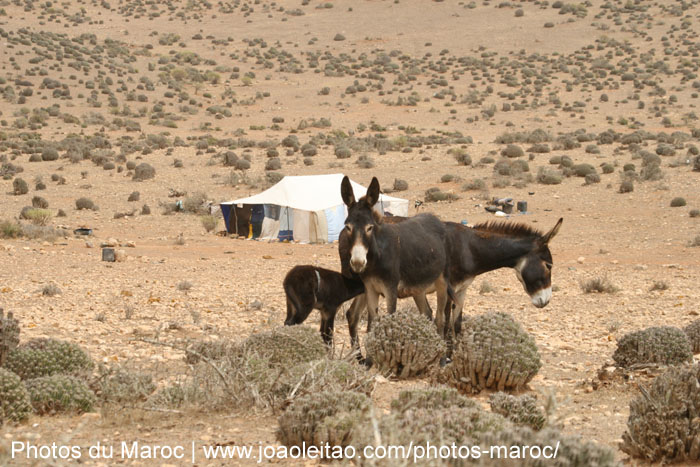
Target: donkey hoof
column 444, row 361
column 366, row 362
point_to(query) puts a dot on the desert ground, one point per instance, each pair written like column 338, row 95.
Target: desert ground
column 430, row 93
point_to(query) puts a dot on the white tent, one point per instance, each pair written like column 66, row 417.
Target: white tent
column 304, row 208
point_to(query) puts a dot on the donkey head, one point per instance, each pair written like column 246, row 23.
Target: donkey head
column 534, row 270
column 361, row 223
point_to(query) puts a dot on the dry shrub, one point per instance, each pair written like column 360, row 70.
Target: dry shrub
column 400, row 185
column 267, row 370
column 599, row 285
column 209, row 222
column 678, row 202
column 119, row 385
column 287, row 346
column 9, row 334
column 521, row 410
column 85, row 203
column 327, row 417
column 10, row 229
column 573, row 451
column 46, row 357
column 435, row 194
column 38, row 216
column 324, row 375
column 195, row 203
column 475, row 184
column 43, row 232
column 213, row 350
column 422, row 426
column 512, row 150
column 662, row 425
column 547, row 176
column 492, row 352
column 50, row 290
column 144, row 171
column 14, row 398
column 626, row 186
column 663, row 345
column 442, row 418
column 20, row 187
column 693, row 332
column 404, row 344
column 60, row 393
column 439, row 397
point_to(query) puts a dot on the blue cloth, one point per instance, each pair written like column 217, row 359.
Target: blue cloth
column 335, row 219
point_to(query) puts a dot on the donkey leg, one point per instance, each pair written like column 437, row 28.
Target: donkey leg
column 372, row 309
column 353, row 317
column 373, row 306
column 421, row 301
column 440, row 321
column 327, row 324
column 456, row 316
column 441, row 315
column 453, row 326
column 391, row 297
column 290, row 313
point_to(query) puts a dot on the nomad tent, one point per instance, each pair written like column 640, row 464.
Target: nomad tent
column 305, row 209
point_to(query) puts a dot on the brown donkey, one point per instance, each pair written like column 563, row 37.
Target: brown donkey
column 490, row 246
column 310, row 287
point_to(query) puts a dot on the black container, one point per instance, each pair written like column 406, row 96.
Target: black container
column 108, row 254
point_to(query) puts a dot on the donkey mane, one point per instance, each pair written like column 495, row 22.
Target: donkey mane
column 513, row 229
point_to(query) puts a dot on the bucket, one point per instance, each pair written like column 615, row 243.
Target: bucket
column 108, row 254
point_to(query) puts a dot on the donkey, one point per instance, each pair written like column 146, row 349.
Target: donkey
column 360, row 302
column 489, row 246
column 309, row 287
column 396, row 260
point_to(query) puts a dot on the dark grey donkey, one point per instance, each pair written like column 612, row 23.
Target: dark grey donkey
column 309, row 287
column 394, row 260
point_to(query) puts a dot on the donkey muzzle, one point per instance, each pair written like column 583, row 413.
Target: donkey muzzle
column 358, row 258
column 541, row 298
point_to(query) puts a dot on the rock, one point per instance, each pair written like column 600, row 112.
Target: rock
column 581, row 260
column 110, row 242
column 119, row 255
column 143, row 331
column 131, row 244
column 89, row 244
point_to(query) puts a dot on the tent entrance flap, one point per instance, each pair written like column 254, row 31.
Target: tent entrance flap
column 237, row 218
column 286, row 231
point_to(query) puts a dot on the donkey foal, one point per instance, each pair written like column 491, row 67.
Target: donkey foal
column 309, row 287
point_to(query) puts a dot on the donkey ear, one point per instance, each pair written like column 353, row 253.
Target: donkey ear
column 372, row 195
column 346, row 192
column 549, row 235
